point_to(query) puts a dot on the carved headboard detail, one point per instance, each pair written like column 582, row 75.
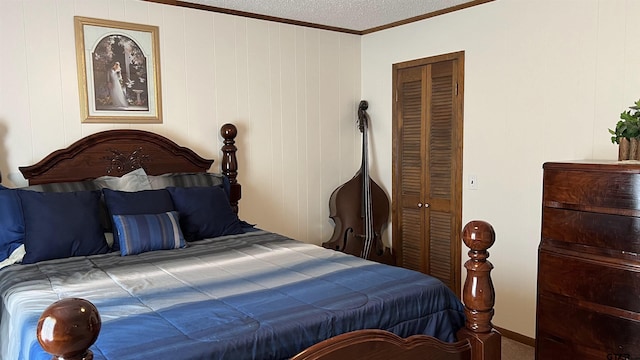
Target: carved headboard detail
column 122, row 163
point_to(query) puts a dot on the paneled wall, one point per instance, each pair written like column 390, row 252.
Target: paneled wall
column 291, row 91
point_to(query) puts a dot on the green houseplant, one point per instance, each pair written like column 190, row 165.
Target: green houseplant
column 627, row 133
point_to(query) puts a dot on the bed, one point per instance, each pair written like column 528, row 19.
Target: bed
column 212, row 286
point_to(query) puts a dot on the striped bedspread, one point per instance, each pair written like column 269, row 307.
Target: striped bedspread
column 253, row 296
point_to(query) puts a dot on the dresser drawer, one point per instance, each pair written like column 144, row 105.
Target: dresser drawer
column 603, row 286
column 595, row 191
column 567, row 330
column 619, row 234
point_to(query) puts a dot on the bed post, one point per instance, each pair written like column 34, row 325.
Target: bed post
column 229, row 166
column 478, row 294
column 68, row 327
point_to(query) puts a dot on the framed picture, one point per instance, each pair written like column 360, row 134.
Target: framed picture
column 118, row 71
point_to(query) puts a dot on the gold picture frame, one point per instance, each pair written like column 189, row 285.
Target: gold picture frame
column 118, row 71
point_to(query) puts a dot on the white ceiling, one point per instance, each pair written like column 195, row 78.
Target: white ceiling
column 356, row 15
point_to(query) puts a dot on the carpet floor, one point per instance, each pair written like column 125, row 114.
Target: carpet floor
column 513, row 350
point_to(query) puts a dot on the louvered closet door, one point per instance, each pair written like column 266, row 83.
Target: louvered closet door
column 427, row 163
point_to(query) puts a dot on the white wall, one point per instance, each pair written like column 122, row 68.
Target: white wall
column 292, row 91
column 544, row 80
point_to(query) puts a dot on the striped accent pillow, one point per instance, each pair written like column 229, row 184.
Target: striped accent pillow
column 148, row 232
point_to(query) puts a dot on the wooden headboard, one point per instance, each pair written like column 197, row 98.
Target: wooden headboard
column 117, row 152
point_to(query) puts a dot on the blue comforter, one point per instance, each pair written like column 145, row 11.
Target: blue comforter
column 254, row 296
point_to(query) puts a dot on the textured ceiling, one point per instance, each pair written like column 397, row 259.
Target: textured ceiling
column 357, row 15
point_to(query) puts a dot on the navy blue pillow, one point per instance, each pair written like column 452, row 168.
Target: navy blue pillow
column 136, row 203
column 205, row 212
column 60, row 225
column 11, row 222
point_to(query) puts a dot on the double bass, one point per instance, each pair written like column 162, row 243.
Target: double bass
column 360, row 209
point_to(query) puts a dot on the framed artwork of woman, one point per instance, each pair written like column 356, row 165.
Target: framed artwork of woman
column 118, row 71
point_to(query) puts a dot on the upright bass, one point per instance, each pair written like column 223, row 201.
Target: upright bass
column 360, row 208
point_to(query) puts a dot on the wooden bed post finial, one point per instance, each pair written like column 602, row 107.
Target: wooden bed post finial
column 229, row 166
column 68, row 327
column 478, row 293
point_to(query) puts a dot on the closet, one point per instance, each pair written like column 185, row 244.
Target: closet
column 427, row 164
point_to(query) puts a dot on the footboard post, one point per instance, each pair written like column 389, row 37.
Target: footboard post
column 229, row 165
column 478, row 294
column 68, row 327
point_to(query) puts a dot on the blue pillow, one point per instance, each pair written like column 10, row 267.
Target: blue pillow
column 148, row 232
column 205, row 212
column 136, row 203
column 11, row 222
column 60, row 225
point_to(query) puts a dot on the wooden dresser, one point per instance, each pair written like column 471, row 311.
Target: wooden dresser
column 588, row 303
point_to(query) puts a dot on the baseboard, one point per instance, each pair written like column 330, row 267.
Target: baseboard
column 516, row 337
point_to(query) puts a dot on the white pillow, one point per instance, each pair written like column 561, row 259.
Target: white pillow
column 135, row 180
column 15, row 257
column 109, row 237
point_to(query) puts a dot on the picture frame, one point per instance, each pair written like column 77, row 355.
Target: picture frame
column 118, row 71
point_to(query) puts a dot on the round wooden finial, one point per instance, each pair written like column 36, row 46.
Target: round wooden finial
column 478, row 235
column 478, row 293
column 68, row 327
column 228, row 131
